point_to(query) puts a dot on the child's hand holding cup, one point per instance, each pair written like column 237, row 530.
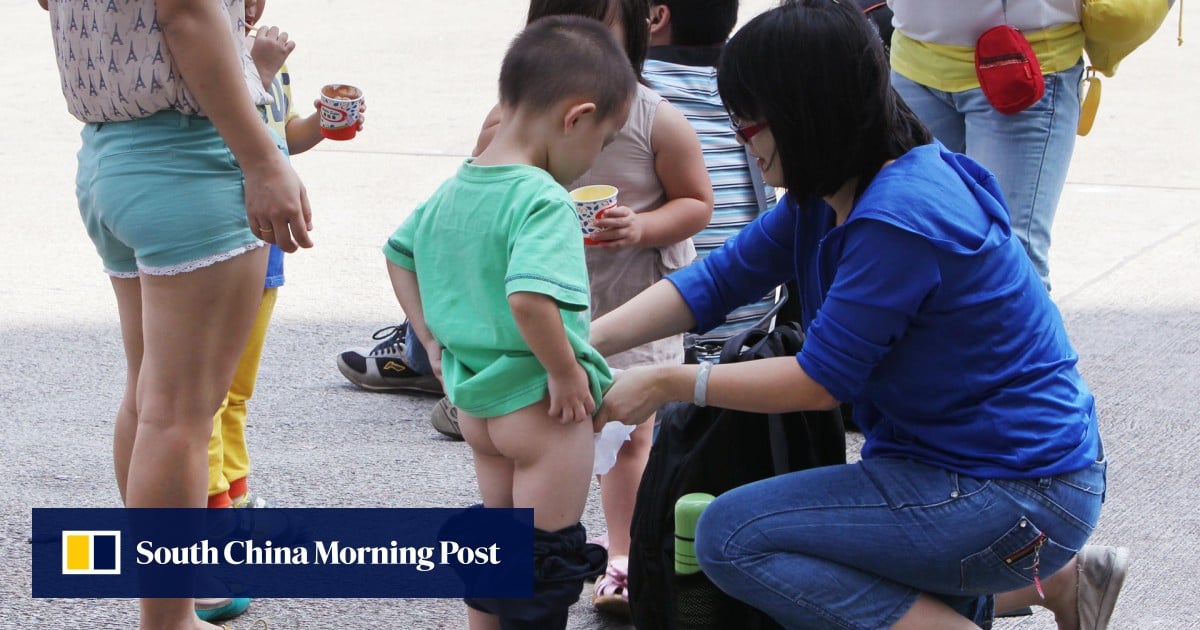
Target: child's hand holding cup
column 341, row 111
column 590, row 204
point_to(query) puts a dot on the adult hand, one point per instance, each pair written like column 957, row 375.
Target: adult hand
column 277, row 204
column 271, row 48
column 634, row 396
column 620, row 227
column 571, row 396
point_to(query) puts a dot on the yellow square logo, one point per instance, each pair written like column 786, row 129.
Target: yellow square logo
column 91, row 552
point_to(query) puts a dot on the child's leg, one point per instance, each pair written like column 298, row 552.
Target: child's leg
column 547, row 466
column 619, row 486
column 218, row 485
column 552, row 463
column 494, row 474
column 618, row 494
column 493, row 471
column 233, row 421
column 206, row 316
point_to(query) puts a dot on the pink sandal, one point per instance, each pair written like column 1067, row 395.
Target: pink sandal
column 612, row 589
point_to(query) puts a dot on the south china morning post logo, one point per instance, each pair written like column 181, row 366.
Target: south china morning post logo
column 91, row 552
column 248, row 552
column 283, row 552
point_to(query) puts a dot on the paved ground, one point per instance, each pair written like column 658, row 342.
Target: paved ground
column 1126, row 270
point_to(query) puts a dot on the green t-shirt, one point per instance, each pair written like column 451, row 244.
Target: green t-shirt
column 486, row 233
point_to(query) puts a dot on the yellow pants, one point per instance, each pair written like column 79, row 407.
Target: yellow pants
column 228, row 459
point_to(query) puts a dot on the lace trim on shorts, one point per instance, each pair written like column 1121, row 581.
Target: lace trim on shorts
column 125, row 275
column 192, row 265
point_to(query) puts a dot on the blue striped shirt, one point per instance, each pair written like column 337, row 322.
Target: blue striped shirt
column 692, row 89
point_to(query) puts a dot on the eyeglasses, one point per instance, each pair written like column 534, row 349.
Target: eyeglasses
column 746, row 132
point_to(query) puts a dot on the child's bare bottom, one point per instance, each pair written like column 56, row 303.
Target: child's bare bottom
column 527, row 459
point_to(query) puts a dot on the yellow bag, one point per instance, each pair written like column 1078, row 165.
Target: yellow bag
column 1114, row 28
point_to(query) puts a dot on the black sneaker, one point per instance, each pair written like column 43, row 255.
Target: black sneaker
column 383, row 368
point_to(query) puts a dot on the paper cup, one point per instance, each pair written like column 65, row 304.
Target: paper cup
column 590, row 204
column 340, row 108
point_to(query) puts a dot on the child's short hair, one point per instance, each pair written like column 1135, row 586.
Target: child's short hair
column 563, row 56
column 700, row 22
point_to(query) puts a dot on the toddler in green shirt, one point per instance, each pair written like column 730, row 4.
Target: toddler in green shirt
column 491, row 273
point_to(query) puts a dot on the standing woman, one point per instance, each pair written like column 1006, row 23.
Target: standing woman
column 1029, row 152
column 982, row 471
column 180, row 187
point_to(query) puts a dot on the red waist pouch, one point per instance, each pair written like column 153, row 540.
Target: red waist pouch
column 1008, row 70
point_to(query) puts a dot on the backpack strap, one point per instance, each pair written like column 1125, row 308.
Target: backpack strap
column 777, row 434
column 731, row 352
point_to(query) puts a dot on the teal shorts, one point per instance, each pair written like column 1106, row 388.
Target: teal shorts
column 161, row 195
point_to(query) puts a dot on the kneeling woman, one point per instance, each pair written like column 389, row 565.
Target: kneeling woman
column 982, row 471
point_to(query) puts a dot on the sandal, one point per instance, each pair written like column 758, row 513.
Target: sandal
column 611, row 595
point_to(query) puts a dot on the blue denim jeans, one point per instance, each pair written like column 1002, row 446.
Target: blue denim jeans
column 853, row 546
column 415, row 355
column 1029, row 152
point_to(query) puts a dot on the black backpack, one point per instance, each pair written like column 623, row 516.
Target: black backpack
column 706, row 449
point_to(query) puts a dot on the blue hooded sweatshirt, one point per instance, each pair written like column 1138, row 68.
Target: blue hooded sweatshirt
column 923, row 311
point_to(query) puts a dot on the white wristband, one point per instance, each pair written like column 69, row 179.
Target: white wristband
column 700, row 395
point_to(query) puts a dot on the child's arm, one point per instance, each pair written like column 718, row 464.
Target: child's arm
column 304, row 133
column 271, row 48
column 404, row 284
column 679, row 164
column 541, row 327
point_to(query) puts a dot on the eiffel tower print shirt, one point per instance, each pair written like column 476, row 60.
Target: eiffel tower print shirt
column 115, row 64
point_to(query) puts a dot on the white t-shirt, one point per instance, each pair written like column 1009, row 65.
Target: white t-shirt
column 961, row 22
column 115, row 65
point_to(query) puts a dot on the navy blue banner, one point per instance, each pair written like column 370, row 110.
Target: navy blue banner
column 362, row 552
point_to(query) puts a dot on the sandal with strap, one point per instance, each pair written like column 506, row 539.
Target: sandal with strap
column 611, row 595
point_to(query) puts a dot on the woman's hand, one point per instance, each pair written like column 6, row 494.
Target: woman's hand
column 634, row 396
column 619, row 227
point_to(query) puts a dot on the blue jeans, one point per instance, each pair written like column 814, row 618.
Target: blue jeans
column 853, row 546
column 1028, row 152
column 415, row 355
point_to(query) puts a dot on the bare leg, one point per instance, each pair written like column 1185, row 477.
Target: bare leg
column 493, row 473
column 552, row 463
column 205, row 316
column 1061, row 597
column 528, row 459
column 129, row 309
column 930, row 613
column 619, row 486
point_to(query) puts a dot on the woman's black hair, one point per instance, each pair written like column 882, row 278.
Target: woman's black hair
column 634, row 15
column 816, row 73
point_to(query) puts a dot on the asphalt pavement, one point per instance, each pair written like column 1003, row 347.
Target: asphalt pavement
column 1125, row 268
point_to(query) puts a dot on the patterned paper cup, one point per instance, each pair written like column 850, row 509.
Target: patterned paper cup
column 590, row 204
column 340, row 108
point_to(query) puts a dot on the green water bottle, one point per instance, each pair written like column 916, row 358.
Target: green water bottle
column 697, row 599
column 687, row 513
